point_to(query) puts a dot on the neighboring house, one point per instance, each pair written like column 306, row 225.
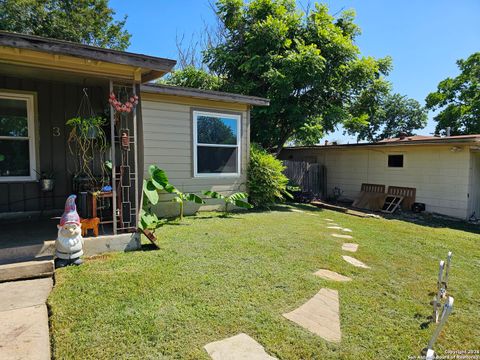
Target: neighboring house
column 444, row 170
column 42, row 84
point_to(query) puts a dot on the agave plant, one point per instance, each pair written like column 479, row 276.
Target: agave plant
column 237, row 199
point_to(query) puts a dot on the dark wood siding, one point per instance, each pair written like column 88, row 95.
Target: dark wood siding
column 56, row 102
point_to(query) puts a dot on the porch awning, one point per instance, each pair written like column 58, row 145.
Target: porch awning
column 30, row 50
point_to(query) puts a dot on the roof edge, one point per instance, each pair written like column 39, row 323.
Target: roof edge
column 204, row 94
column 440, row 141
column 63, row 47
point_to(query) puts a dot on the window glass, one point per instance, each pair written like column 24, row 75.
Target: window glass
column 395, row 161
column 14, row 158
column 217, row 146
column 216, row 130
column 216, row 160
column 13, row 118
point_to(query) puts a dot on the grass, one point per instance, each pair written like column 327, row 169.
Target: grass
column 216, row 277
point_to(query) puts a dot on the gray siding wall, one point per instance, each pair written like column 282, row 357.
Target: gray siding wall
column 168, row 143
column 56, row 102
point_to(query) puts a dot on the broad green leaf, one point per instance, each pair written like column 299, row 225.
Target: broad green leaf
column 213, row 194
column 171, row 189
column 150, row 192
column 194, row 198
column 151, row 169
column 160, row 177
column 238, row 196
column 243, row 204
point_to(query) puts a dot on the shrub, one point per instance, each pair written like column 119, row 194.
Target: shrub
column 266, row 182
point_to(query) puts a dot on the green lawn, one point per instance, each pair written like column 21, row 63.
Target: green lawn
column 216, row 277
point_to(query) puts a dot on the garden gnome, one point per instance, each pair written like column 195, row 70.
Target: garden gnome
column 69, row 241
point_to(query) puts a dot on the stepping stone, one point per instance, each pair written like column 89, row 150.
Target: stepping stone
column 331, row 275
column 320, row 315
column 297, row 210
column 341, row 236
column 350, row 247
column 328, row 219
column 355, row 262
column 346, row 230
column 238, row 347
column 334, row 227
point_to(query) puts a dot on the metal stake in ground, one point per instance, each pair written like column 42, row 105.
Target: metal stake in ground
column 447, row 309
column 437, row 298
column 447, row 271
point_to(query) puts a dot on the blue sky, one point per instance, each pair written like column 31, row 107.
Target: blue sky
column 424, row 38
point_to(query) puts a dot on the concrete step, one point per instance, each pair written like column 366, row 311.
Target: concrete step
column 26, row 270
column 40, row 251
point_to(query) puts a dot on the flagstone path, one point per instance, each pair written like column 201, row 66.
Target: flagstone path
column 331, row 275
column 24, row 319
column 342, row 236
column 320, row 315
column 238, row 347
column 350, row 247
column 355, row 262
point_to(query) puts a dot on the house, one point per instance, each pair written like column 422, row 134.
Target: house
column 445, row 171
column 45, row 82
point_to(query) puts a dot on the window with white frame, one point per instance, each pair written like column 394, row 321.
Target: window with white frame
column 17, row 137
column 216, row 144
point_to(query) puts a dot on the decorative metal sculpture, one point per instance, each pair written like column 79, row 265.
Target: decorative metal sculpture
column 69, row 243
column 447, row 309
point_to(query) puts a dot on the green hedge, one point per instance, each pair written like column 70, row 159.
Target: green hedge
column 266, row 182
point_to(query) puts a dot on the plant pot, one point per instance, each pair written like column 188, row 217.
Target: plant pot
column 92, row 132
column 47, row 184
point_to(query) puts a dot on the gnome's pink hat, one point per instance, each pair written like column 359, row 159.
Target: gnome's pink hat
column 70, row 215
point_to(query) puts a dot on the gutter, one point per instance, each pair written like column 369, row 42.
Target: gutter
column 204, row 94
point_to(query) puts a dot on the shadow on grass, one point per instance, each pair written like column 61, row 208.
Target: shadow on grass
column 435, row 221
column 287, row 207
column 148, row 247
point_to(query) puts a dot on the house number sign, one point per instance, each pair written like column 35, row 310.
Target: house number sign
column 56, row 131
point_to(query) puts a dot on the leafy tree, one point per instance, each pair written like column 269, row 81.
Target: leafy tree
column 85, row 21
column 458, row 99
column 213, row 131
column 307, row 64
column 383, row 115
column 193, row 78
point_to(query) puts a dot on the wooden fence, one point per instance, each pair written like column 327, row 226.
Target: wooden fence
column 310, row 177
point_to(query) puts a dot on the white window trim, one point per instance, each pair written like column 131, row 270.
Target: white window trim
column 238, row 118
column 29, row 98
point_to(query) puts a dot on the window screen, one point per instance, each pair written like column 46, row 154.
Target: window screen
column 395, row 161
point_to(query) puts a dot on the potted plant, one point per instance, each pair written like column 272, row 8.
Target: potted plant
column 87, row 141
column 46, row 180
